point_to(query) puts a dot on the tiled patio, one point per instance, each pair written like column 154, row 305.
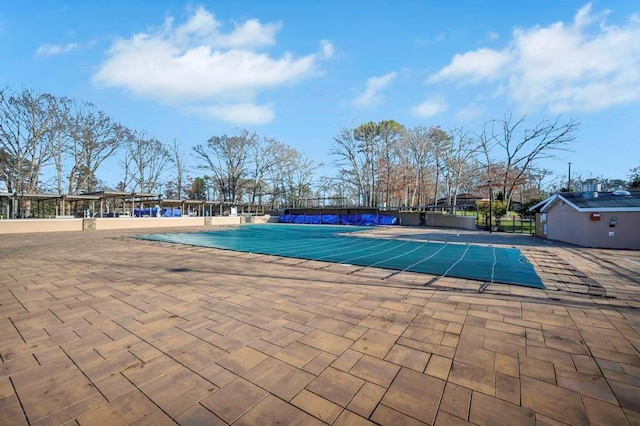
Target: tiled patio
column 98, row 329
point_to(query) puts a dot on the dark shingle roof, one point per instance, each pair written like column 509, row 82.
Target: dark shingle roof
column 587, row 200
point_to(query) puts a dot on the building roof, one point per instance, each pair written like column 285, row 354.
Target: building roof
column 616, row 201
column 464, row 198
column 469, row 196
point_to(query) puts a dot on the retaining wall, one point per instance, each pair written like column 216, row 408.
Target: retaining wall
column 437, row 219
column 18, row 226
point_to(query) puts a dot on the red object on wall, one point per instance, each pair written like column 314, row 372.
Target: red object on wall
column 595, row 216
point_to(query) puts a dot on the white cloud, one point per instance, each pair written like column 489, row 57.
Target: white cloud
column 586, row 65
column 197, row 62
column 55, row 49
column 202, row 27
column 475, row 66
column 372, row 95
column 430, row 107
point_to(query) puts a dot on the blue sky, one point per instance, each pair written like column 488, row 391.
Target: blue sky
column 300, row 71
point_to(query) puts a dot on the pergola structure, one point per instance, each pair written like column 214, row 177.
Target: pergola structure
column 121, row 203
column 7, row 204
column 16, row 204
column 212, row 208
column 112, row 204
column 64, row 206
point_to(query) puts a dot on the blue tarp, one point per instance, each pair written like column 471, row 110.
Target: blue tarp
column 153, row 212
column 341, row 219
column 172, row 212
column 388, row 220
column 148, row 211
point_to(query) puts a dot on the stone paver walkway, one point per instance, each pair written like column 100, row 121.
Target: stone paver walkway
column 98, row 329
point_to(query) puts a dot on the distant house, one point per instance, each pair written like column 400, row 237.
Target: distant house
column 464, row 200
column 591, row 218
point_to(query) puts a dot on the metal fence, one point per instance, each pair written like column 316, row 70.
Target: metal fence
column 515, row 224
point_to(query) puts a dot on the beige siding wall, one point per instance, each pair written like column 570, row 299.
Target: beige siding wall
column 568, row 225
column 626, row 233
column 564, row 223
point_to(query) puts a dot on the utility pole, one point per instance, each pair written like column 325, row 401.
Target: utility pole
column 490, row 197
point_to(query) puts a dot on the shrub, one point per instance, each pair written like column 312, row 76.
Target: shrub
column 498, row 208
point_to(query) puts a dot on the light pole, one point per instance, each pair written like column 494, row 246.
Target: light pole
column 490, row 197
column 21, row 204
column 569, row 183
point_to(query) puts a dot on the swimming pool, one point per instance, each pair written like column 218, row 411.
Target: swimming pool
column 338, row 244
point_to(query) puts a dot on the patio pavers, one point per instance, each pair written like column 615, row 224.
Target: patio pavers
column 96, row 329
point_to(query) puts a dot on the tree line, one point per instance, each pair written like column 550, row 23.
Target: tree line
column 391, row 165
column 50, row 143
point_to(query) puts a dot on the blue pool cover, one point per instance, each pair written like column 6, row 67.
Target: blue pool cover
column 334, row 244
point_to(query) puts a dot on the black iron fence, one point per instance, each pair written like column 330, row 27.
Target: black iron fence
column 514, row 224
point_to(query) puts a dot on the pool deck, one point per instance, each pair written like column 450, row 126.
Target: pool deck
column 97, row 328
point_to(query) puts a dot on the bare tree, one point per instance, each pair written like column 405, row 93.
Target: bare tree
column 368, row 137
column 418, row 146
column 390, row 133
column 266, row 153
column 352, row 165
column 533, row 187
column 404, row 174
column 6, row 171
column 458, row 162
column 492, row 169
column 226, row 157
column 94, row 138
column 27, row 126
column 521, row 148
column 177, row 158
column 276, row 175
column 331, row 191
column 439, row 143
column 367, row 155
column 145, row 160
column 298, row 178
column 60, row 142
